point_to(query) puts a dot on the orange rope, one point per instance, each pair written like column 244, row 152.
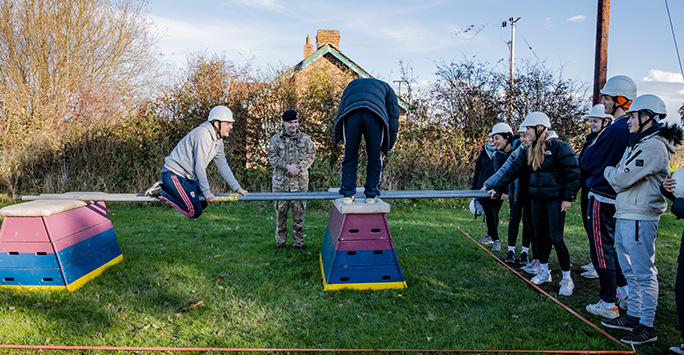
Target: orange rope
column 546, row 294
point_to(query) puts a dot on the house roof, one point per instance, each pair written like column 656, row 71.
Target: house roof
column 320, row 53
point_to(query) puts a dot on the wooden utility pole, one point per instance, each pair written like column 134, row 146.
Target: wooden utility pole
column 601, row 58
column 511, row 67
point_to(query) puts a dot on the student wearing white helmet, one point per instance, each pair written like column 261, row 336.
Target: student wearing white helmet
column 606, row 150
column 638, row 206
column 184, row 175
column 508, row 147
column 484, row 168
column 554, row 180
column 598, row 120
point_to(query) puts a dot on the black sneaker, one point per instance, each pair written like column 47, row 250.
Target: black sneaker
column 299, row 247
column 281, row 246
column 640, row 335
column 510, row 257
column 524, row 260
column 620, row 323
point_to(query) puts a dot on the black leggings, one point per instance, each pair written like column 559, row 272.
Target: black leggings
column 491, row 210
column 549, row 222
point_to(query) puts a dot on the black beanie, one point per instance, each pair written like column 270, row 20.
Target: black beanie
column 290, row 115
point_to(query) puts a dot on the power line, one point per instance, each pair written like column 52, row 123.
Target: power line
column 679, row 59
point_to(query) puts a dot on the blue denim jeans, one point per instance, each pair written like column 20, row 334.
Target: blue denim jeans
column 357, row 123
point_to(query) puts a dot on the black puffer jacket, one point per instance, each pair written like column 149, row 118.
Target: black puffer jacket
column 484, row 167
column 556, row 179
column 374, row 95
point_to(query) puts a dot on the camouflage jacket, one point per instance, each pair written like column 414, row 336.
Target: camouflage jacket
column 297, row 150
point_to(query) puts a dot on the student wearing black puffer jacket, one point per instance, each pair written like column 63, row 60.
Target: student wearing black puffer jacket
column 554, row 181
column 484, row 168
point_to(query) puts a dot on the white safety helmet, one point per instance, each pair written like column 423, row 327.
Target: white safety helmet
column 221, row 113
column 536, row 119
column 620, row 85
column 599, row 111
column 501, row 128
column 679, row 188
column 522, row 129
column 476, row 208
column 650, row 103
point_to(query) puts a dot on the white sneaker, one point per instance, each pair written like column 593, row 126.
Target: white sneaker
column 542, row 277
column 622, row 302
column 590, row 274
column 587, row 267
column 496, row 245
column 566, row 287
column 486, row 240
column 348, row 200
column 154, row 190
column 677, row 349
column 599, row 310
column 371, row 200
column 532, row 268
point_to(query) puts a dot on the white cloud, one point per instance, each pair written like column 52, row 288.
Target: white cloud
column 548, row 23
column 663, row 76
column 577, row 18
column 267, row 5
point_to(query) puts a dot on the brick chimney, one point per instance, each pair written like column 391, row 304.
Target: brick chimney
column 324, row 37
column 308, row 47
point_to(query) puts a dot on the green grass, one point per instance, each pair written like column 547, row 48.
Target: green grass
column 254, row 296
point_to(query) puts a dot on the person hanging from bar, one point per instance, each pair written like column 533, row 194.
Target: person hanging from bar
column 184, row 175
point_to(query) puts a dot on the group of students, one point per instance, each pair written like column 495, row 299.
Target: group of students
column 623, row 174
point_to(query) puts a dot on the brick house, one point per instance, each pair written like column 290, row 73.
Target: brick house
column 313, row 87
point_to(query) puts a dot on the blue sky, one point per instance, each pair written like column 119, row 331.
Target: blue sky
column 378, row 34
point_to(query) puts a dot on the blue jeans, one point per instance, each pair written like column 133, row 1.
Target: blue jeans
column 635, row 245
column 356, row 123
column 182, row 194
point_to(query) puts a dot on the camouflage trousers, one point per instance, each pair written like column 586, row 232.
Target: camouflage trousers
column 298, row 209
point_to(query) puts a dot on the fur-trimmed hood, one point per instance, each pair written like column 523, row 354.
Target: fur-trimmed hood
column 672, row 135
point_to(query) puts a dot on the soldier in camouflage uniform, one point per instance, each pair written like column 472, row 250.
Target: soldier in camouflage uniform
column 291, row 153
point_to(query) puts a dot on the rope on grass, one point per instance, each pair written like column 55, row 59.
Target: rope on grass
column 536, row 287
column 258, row 196
column 135, row 348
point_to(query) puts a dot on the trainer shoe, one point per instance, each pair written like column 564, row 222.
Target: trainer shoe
column 371, row 200
column 587, row 267
column 154, row 190
column 598, row 310
column 510, row 257
column 348, row 200
column 622, row 302
column 486, row 240
column 532, row 268
column 541, row 278
column 677, row 349
column 496, row 245
column 590, row 274
column 640, row 335
column 566, row 287
column 523, row 259
column 620, row 323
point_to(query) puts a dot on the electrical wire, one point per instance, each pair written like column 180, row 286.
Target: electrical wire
column 679, row 59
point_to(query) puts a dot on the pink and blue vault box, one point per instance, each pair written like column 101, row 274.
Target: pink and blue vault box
column 357, row 251
column 55, row 244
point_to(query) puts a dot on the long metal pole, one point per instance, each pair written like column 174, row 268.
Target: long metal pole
column 601, row 55
column 257, row 196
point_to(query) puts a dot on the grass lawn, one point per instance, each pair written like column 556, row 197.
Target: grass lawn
column 218, row 281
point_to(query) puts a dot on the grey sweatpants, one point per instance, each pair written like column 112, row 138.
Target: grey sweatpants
column 635, row 245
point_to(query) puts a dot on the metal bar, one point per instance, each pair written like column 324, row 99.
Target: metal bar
column 257, row 196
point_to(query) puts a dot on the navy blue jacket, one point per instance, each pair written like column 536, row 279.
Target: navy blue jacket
column 606, row 150
column 556, row 179
column 484, row 168
column 376, row 96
